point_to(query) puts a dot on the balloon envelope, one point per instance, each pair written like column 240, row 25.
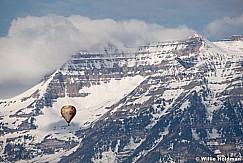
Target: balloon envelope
column 68, row 112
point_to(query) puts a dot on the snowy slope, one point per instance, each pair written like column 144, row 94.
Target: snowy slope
column 177, row 112
column 232, row 46
column 49, row 122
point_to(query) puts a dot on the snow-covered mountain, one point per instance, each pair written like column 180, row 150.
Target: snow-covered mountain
column 166, row 101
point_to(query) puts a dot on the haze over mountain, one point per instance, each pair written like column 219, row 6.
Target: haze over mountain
column 46, row 33
column 39, row 45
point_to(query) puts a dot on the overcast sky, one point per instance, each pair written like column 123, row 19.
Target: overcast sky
column 38, row 36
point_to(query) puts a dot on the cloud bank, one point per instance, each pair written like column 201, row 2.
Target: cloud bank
column 225, row 27
column 36, row 46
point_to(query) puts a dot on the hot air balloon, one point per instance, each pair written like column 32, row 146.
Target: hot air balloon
column 68, row 112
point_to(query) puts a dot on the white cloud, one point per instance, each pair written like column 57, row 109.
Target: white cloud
column 36, row 46
column 225, row 27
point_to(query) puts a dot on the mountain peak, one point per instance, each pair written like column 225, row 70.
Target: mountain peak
column 233, row 38
column 195, row 36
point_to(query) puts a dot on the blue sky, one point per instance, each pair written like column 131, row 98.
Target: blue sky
column 45, row 33
column 196, row 14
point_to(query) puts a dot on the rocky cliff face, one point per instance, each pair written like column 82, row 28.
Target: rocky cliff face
column 173, row 101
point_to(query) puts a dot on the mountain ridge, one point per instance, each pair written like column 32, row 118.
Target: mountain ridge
column 134, row 103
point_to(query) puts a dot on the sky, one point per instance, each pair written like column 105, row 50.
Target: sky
column 38, row 36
